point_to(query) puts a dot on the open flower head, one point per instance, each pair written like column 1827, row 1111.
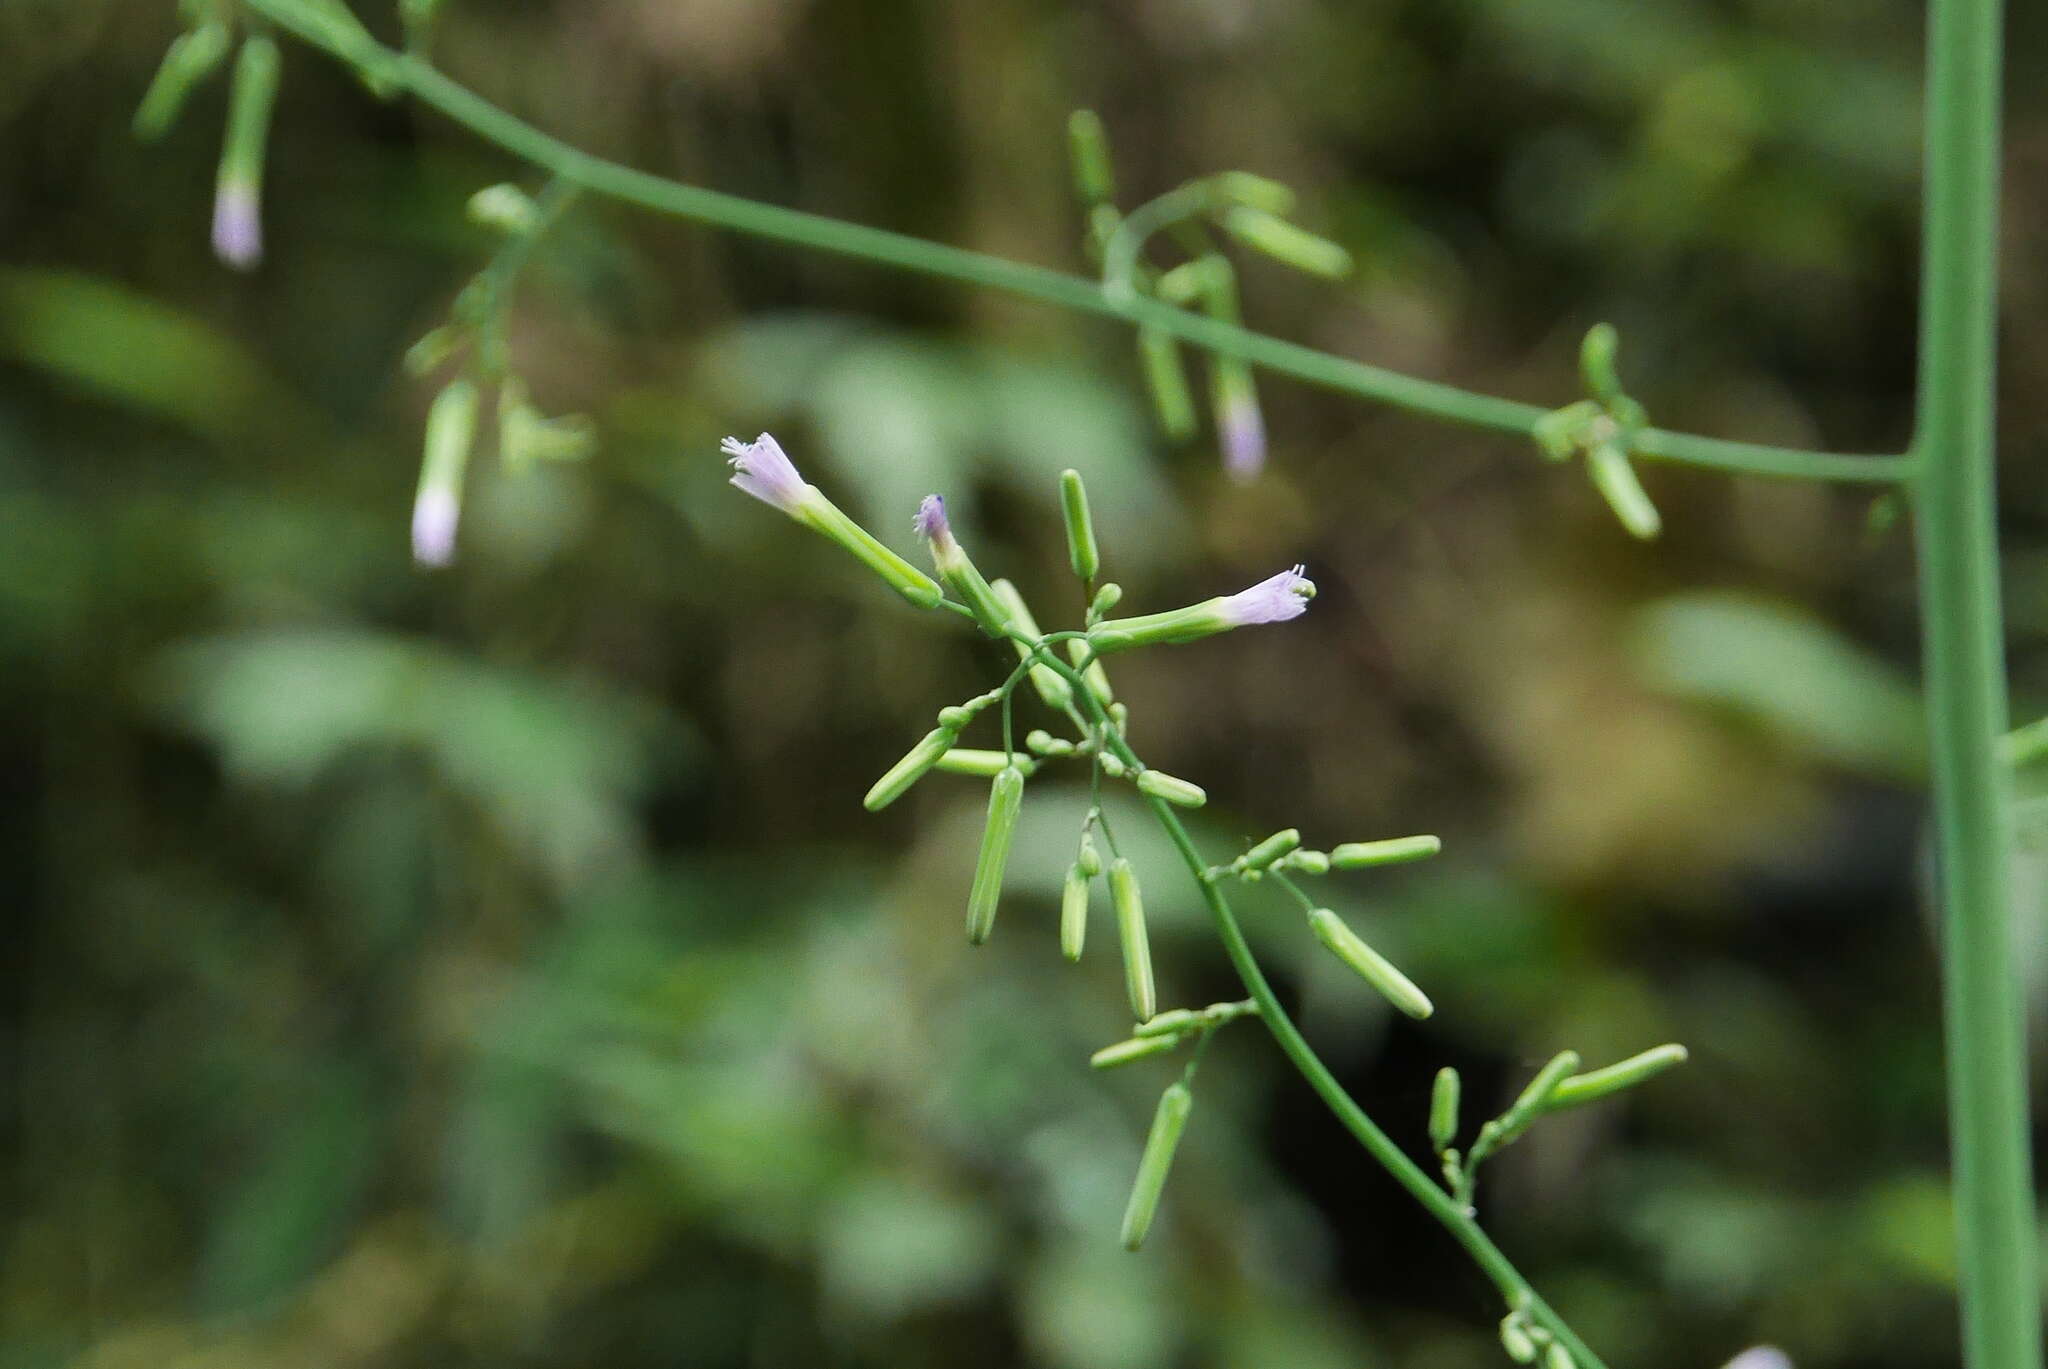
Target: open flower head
column 764, row 470
column 1274, row 599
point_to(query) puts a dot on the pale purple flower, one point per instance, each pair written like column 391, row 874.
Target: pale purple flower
column 1761, row 1357
column 930, row 522
column 1273, row 600
column 1243, row 435
column 434, row 515
column 237, row 225
column 762, row 469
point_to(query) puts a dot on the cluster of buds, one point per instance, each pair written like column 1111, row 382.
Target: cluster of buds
column 1250, row 210
column 1600, row 430
column 1065, row 670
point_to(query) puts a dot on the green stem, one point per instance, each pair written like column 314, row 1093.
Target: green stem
column 1963, row 647
column 1059, row 288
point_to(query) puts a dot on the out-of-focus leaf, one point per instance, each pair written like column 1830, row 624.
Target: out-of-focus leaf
column 1788, row 672
column 892, row 1248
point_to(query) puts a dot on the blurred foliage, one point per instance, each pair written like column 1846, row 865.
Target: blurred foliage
column 496, row 966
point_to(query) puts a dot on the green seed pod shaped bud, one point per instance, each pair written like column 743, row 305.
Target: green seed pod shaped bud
column 1173, row 403
column 1176, row 791
column 954, row 716
column 1129, row 903
column 191, row 58
column 1045, row 744
column 506, row 208
column 1051, row 686
column 1443, row 1109
column 238, row 191
column 1616, row 480
column 1374, row 968
column 437, row 505
column 1082, row 553
column 1120, row 718
column 967, row 761
column 1111, row 766
column 1137, row 1048
column 1106, row 599
column 1088, row 145
column 1358, row 855
column 1597, row 1084
column 1259, row 192
column 1275, row 599
column 1515, row 1339
column 1555, row 1356
column 1074, row 912
column 908, row 771
column 1172, row 1022
column 1093, row 674
column 762, row 469
column 1596, row 362
column 1089, row 860
column 1308, row 862
column 1536, row 1097
column 1270, row 850
column 1005, row 799
column 1167, row 1124
column 1286, row 243
column 436, row 346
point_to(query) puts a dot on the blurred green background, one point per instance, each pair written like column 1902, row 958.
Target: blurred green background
column 495, row 966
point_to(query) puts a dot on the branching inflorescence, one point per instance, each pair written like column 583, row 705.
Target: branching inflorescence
column 1066, row 672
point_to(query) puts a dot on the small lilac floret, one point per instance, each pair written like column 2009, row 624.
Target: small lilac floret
column 237, row 226
column 930, row 522
column 434, row 516
column 761, row 468
column 1273, row 600
column 1244, row 440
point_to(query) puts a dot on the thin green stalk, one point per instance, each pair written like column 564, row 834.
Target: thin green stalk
column 1060, row 288
column 1963, row 645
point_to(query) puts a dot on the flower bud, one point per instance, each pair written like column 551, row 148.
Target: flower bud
column 1596, row 362
column 1088, row 146
column 1308, row 862
column 1137, row 1048
column 1555, row 1356
column 909, row 770
column 1615, row 478
column 1260, row 192
column 1005, row 799
column 191, row 58
column 1089, row 861
column 1179, row 792
column 1514, row 1339
column 950, row 559
column 1269, row 850
column 1167, row 1124
column 1596, row 1084
column 506, row 208
column 1443, row 1110
column 1074, row 912
column 1082, row 554
column 967, row 761
column 1172, row 1022
column 1537, row 1096
column 1374, row 968
column 1358, row 855
column 238, row 191
column 1285, row 242
column 437, row 505
column 1051, row 686
column 1129, row 903
column 1045, row 744
column 1167, row 382
column 1106, row 598
column 1096, row 678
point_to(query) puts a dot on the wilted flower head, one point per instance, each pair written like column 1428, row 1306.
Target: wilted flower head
column 762, row 469
column 237, row 225
column 1274, row 599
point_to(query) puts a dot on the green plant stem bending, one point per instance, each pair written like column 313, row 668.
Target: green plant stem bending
column 1079, row 293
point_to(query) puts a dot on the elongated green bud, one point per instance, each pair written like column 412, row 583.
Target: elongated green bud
column 1089, row 860
column 1005, row 798
column 191, row 58
column 1443, row 1109
column 238, row 192
column 1309, row 862
column 1374, row 968
column 1172, row 1022
column 827, row 519
column 1596, row 362
column 506, row 208
column 1093, row 674
column 962, row 760
column 1597, row 1084
column 1050, row 686
column 1045, row 743
column 1175, row 790
column 434, row 347
column 1167, row 1124
column 1285, row 242
column 1536, row 1097
column 1082, row 553
column 1555, row 1356
column 1137, row 1048
column 1270, row 850
column 1514, row 1339
column 908, row 771
column 1137, row 946
column 1173, row 403
column 1111, row 765
column 1074, row 912
column 1088, row 144
column 437, row 505
column 1357, row 855
column 1615, row 478
column 1106, row 598
column 1260, row 192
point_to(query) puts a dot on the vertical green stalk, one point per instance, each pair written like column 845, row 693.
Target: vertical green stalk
column 1962, row 641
